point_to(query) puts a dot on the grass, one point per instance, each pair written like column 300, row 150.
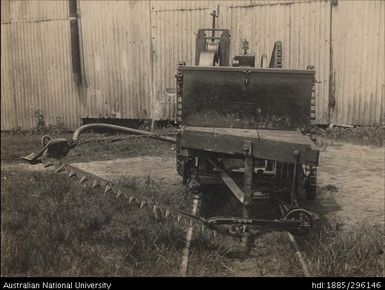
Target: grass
column 357, row 251
column 374, row 135
column 52, row 227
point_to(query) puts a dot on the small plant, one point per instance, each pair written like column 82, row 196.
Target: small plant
column 40, row 122
column 16, row 131
column 58, row 127
column 359, row 135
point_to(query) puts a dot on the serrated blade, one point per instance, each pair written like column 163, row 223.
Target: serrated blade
column 108, row 188
column 72, row 173
column 48, row 164
column 95, row 184
column 60, row 169
column 83, row 179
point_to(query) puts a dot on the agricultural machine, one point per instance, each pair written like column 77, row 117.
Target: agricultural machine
column 241, row 122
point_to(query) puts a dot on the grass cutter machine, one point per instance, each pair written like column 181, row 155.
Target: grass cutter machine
column 242, row 123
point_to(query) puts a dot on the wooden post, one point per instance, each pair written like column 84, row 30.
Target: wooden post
column 248, row 183
column 294, row 185
column 248, row 177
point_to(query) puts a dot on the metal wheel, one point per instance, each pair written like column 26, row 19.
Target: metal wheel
column 304, row 217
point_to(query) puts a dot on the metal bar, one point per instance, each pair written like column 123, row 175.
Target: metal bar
column 190, row 231
column 305, row 268
column 59, row 148
column 213, row 37
column 281, row 223
column 213, row 29
column 75, row 40
column 210, row 29
column 252, row 69
column 84, row 128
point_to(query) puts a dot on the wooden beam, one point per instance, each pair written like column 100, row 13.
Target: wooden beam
column 239, row 194
column 267, row 143
column 248, row 177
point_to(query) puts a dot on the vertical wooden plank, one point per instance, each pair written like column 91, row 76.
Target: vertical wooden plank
column 248, row 178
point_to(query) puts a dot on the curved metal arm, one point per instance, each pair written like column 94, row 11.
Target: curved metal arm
column 59, row 148
column 82, row 129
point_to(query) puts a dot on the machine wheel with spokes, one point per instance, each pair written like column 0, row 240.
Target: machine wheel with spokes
column 304, row 217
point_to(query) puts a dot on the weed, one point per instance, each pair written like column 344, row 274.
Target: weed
column 358, row 135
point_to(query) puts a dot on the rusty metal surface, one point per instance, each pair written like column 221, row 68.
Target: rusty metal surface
column 246, row 97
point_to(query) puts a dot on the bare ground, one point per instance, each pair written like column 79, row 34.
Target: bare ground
column 351, row 182
column 162, row 169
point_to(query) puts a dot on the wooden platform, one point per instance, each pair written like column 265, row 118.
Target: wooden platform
column 267, row 144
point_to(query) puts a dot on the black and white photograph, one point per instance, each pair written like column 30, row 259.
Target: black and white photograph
column 192, row 139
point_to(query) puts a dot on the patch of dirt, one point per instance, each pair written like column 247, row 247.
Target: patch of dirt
column 23, row 167
column 138, row 167
column 351, row 183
